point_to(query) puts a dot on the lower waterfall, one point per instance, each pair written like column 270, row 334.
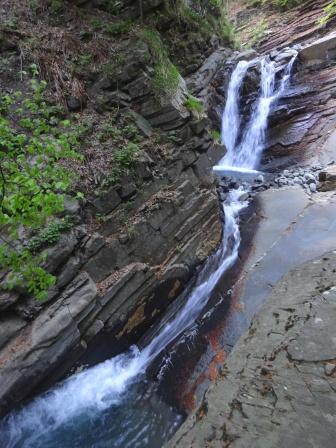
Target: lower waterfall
column 65, row 415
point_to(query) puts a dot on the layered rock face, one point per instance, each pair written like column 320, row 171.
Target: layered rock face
column 116, row 275
column 302, row 122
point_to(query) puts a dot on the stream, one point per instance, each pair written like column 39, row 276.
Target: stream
column 115, row 403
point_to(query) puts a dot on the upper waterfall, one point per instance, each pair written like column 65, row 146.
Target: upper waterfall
column 231, row 116
column 244, row 153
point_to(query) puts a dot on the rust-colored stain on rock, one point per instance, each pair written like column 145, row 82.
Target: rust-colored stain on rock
column 136, row 319
column 173, row 292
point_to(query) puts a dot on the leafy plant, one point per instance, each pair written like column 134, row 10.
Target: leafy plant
column 126, row 155
column 11, row 22
column 111, row 132
column 56, row 6
column 84, row 59
column 97, row 24
column 124, row 158
column 33, row 142
column 34, row 70
column 49, row 235
column 111, row 68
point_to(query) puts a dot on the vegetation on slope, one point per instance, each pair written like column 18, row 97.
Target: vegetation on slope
column 71, row 46
column 279, row 4
column 329, row 13
column 33, row 142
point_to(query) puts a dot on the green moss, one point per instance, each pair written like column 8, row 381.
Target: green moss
column 193, row 104
column 166, row 78
column 119, row 28
column 215, row 135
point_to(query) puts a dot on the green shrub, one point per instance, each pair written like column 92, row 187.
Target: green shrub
column 33, row 140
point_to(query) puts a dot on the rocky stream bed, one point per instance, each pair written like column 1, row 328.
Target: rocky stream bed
column 123, row 280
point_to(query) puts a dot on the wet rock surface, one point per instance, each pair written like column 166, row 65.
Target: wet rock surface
column 277, row 388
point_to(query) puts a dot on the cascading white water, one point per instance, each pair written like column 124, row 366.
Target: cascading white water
column 87, row 394
column 287, row 75
column 231, row 116
column 102, row 386
column 245, row 154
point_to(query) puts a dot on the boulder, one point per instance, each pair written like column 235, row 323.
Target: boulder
column 327, row 178
column 7, row 299
column 107, row 201
column 202, row 78
column 169, row 111
column 142, row 123
column 319, row 51
column 39, row 347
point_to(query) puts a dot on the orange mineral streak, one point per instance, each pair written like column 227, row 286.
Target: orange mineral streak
column 214, row 338
column 189, row 399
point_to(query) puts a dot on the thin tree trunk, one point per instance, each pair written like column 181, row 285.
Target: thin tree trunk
column 141, row 10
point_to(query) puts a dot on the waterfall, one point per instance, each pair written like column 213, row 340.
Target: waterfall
column 95, row 389
column 231, row 116
column 85, row 396
column 287, row 75
column 245, row 155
